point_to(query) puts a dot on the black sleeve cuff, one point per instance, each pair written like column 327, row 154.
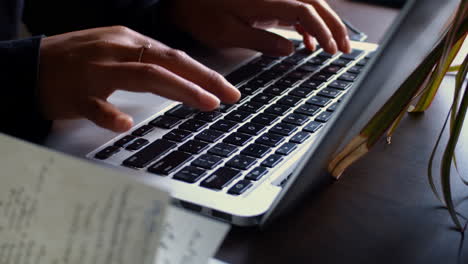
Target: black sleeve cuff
column 21, row 116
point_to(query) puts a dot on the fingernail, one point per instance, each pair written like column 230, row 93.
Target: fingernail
column 123, row 122
column 346, row 45
column 209, row 102
column 332, row 46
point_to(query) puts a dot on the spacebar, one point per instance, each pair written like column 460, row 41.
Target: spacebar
column 149, row 153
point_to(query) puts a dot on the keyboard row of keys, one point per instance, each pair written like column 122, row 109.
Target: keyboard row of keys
column 263, row 144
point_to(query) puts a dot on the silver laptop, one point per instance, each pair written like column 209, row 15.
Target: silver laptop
column 249, row 162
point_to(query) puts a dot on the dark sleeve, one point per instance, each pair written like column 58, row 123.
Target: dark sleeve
column 51, row 17
column 18, row 77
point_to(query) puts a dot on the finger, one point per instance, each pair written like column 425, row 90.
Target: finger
column 336, row 25
column 307, row 39
column 305, row 14
column 146, row 77
column 183, row 65
column 106, row 115
column 242, row 35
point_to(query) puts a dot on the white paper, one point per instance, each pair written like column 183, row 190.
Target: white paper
column 189, row 238
column 58, row 210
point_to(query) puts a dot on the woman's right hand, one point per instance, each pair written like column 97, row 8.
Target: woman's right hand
column 79, row 70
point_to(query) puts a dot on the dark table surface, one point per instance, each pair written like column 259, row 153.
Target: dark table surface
column 382, row 210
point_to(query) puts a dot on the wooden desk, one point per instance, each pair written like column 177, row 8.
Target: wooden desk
column 382, row 210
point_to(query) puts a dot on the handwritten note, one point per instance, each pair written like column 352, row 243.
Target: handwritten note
column 189, row 238
column 58, row 210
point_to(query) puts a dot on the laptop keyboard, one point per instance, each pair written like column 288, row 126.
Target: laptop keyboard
column 284, row 102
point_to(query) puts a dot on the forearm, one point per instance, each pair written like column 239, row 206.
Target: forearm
column 21, row 116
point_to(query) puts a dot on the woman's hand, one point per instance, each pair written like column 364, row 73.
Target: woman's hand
column 79, row 70
column 241, row 23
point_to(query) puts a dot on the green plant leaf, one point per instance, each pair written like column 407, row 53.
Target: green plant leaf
column 447, row 159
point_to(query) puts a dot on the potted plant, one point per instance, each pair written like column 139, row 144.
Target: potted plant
column 415, row 95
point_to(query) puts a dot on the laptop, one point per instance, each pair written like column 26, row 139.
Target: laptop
column 249, row 162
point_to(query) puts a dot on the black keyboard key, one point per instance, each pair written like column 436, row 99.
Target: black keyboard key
column 312, row 84
column 194, row 146
column 256, row 150
column 224, row 108
column 258, row 82
column 178, row 135
column 181, row 111
column 137, row 144
column 322, row 77
column 209, row 135
column 224, row 125
column 324, row 116
column 107, row 152
column 355, row 69
column 149, row 153
column 238, row 116
column 252, row 107
column 283, row 129
column 363, row 62
column 169, row 163
column 221, row 178
column 190, row 174
column 333, row 107
column 124, row 141
column 223, row 150
column 243, row 73
column 299, row 75
column 241, row 162
column 256, row 173
column 307, row 109
column 355, row 53
column 325, row 54
column 252, row 129
column 263, row 98
column 207, row 161
column 208, row 116
column 286, row 149
column 278, row 109
column 264, row 119
column 268, row 75
column 309, row 68
column 289, row 100
column 242, row 98
column 300, row 137
column 319, row 101
column 332, row 69
column 341, row 85
column 296, row 119
column 193, row 125
column 143, row 130
column 329, row 92
column 240, row 187
column 270, row 139
column 238, row 139
column 166, row 122
column 348, row 77
column 341, row 62
column 293, row 59
column 248, row 89
column 281, row 68
column 312, row 127
column 275, row 90
column 286, row 82
column 272, row 160
column 301, row 92
column 317, row 60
